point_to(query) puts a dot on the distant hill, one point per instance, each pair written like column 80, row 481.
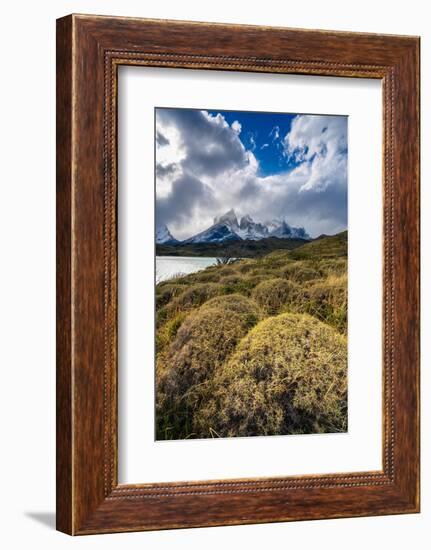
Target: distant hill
column 322, row 247
column 230, row 249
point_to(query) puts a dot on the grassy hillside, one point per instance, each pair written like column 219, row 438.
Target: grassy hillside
column 326, row 247
column 235, row 249
column 255, row 347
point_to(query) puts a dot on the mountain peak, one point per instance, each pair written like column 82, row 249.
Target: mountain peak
column 226, row 228
column 163, row 235
column 246, row 220
column 228, row 217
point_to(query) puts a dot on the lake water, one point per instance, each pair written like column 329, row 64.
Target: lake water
column 168, row 266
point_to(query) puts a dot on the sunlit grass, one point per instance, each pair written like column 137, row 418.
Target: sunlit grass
column 255, row 347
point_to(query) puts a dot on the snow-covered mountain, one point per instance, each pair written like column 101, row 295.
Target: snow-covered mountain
column 249, row 229
column 164, row 236
column 282, row 230
column 227, row 228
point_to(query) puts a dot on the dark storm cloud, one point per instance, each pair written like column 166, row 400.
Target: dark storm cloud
column 211, row 145
column 163, row 170
column 319, row 212
column 187, row 194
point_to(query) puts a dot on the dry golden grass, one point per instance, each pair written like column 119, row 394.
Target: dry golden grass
column 288, row 375
column 231, row 279
column 167, row 331
column 225, row 270
column 236, row 303
column 217, row 375
column 191, row 297
column 254, row 280
column 185, row 369
column 336, row 266
column 167, row 291
column 245, row 266
column 299, row 272
column 273, row 294
column 209, row 275
column 326, row 300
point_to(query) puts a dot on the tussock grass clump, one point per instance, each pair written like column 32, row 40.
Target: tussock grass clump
column 287, row 376
column 327, row 301
column 208, row 275
column 254, row 280
column 230, row 279
column 273, row 294
column 164, row 293
column 258, row 272
column 185, row 370
column 177, row 279
column 195, row 295
column 238, row 304
column 269, row 270
column 272, row 264
column 190, row 298
column 225, row 270
column 167, row 332
column 256, row 346
column 236, row 285
column 300, row 272
column 336, row 266
column 245, row 266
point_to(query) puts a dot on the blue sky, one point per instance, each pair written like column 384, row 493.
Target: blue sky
column 267, row 165
column 262, row 133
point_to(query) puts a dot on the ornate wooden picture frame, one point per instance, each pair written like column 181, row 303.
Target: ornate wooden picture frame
column 89, row 51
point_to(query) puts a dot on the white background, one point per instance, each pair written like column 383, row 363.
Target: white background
column 27, row 123
column 141, row 458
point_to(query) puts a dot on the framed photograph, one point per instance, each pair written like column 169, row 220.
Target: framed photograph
column 237, row 274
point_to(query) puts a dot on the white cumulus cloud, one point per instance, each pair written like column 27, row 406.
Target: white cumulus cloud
column 319, row 144
column 236, row 126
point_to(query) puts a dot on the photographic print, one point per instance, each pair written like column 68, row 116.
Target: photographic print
column 251, row 273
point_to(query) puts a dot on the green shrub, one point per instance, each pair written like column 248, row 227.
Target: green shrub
column 274, row 294
column 209, row 275
column 287, row 376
